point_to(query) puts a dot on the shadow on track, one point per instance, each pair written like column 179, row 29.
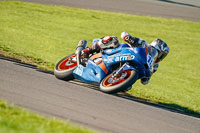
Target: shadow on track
column 170, row 107
column 179, row 3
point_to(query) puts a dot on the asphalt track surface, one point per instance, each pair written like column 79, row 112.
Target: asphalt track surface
column 183, row 9
column 40, row 91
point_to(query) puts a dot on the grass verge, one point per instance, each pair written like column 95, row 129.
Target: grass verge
column 48, row 33
column 16, row 120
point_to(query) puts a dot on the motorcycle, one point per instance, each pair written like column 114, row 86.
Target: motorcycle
column 115, row 69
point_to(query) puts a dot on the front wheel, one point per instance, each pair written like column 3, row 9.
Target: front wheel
column 112, row 84
column 65, row 67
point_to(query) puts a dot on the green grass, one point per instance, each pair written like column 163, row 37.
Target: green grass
column 16, row 120
column 48, row 33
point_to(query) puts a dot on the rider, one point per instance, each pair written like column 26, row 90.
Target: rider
column 158, row 49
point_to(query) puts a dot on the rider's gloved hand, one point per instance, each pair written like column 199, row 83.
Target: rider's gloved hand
column 127, row 38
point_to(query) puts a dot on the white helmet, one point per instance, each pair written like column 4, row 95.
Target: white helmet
column 162, row 48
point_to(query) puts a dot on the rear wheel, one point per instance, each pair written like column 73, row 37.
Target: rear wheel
column 113, row 84
column 65, row 67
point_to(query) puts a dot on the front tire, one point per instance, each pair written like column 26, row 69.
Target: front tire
column 64, row 68
column 113, row 85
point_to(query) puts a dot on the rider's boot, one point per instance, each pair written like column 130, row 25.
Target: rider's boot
column 127, row 38
column 145, row 81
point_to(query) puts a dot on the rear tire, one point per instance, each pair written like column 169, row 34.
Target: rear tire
column 64, row 68
column 113, row 85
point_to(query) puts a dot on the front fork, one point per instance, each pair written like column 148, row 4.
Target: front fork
column 124, row 67
column 81, row 45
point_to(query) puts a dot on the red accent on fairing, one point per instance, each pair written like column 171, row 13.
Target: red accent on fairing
column 146, row 50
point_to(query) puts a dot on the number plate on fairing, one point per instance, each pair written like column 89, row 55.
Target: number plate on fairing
column 149, row 61
column 79, row 70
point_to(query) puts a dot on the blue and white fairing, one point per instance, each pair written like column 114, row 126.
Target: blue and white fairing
column 95, row 71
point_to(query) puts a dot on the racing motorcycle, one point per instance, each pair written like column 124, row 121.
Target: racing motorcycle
column 115, row 69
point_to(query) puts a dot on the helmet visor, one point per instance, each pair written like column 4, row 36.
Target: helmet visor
column 161, row 56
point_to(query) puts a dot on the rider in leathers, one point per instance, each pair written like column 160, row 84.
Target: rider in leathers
column 158, row 49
